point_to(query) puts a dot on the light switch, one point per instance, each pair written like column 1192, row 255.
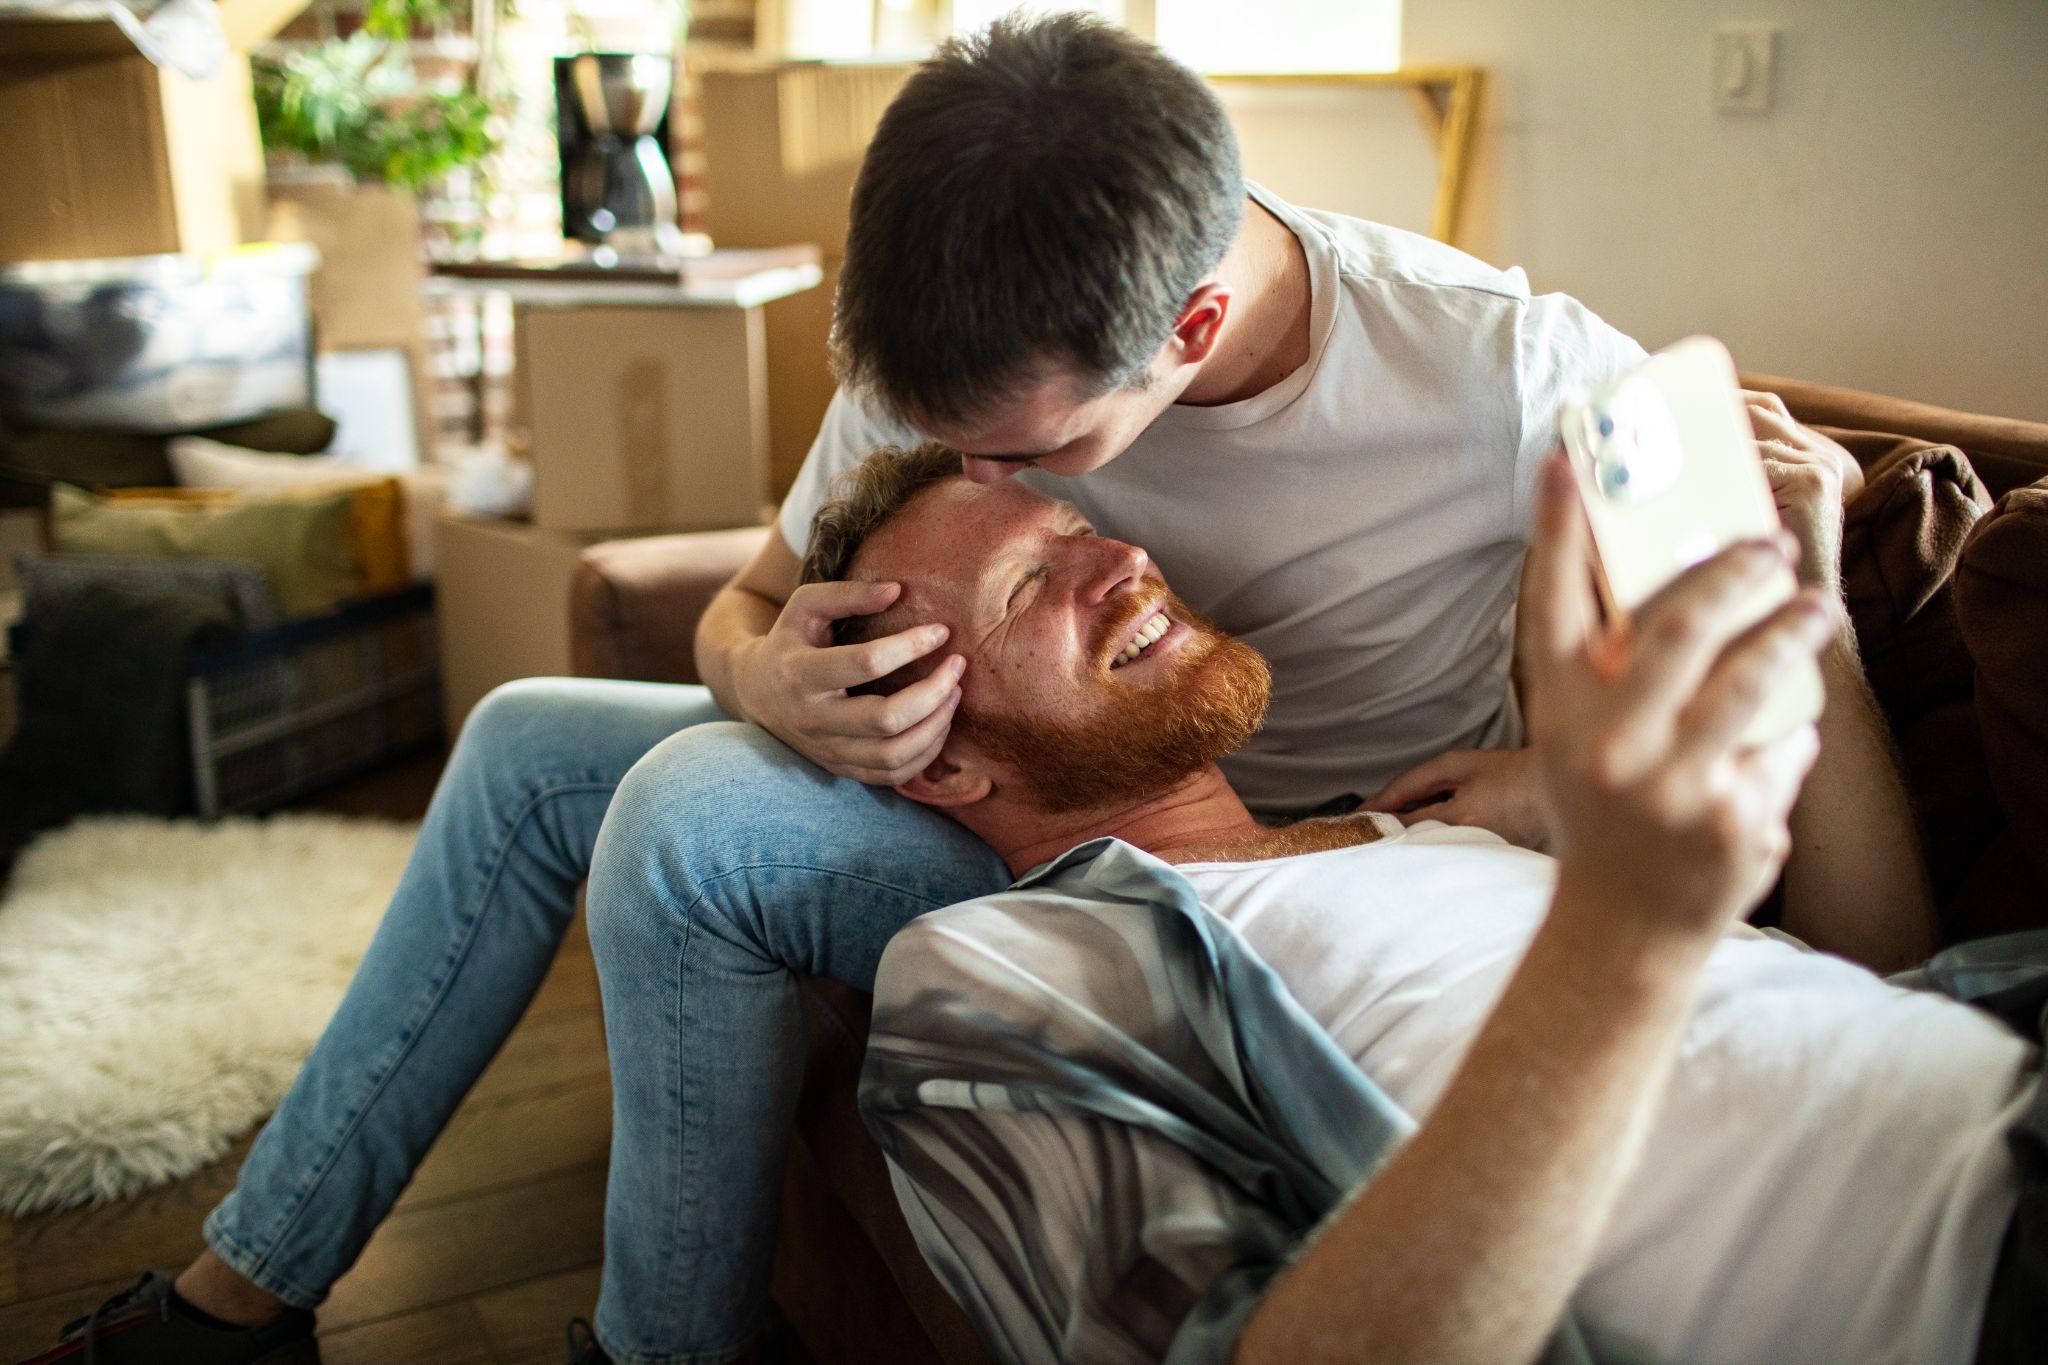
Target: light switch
column 1745, row 58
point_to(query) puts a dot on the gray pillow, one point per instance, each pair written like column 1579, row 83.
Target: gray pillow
column 48, row 581
column 54, row 585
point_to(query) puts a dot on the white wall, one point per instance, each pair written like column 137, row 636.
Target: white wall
column 1884, row 227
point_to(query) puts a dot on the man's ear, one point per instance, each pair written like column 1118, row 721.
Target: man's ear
column 947, row 784
column 1200, row 324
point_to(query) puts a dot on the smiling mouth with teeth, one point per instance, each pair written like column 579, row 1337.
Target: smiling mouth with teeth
column 1143, row 640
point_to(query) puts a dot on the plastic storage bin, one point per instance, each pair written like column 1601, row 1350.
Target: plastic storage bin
column 157, row 343
column 300, row 706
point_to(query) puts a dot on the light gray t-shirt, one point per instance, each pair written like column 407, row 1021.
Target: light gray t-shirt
column 1362, row 522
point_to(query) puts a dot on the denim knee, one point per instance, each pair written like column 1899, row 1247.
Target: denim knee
column 699, row 803
column 719, row 784
column 534, row 733
column 512, row 713
column 723, row 830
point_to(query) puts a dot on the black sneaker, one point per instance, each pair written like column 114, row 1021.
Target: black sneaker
column 583, row 1347
column 145, row 1324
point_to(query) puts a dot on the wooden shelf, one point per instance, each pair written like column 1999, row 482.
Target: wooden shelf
column 1446, row 99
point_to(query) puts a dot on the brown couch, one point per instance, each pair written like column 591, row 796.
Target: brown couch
column 1951, row 605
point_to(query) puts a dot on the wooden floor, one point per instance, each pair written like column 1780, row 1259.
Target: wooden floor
column 489, row 1253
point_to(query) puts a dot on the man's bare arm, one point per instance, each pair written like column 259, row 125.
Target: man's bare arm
column 1856, row 884
column 740, row 616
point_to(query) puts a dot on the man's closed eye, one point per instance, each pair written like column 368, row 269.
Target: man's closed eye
column 1028, row 580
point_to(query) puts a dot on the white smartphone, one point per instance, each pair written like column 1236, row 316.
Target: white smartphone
column 1670, row 475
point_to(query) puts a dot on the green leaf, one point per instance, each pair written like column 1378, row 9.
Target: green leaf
column 358, row 101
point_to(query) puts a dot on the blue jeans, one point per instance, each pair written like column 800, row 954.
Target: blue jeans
column 720, row 866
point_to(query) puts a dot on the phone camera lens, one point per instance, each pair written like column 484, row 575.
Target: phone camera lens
column 1606, row 425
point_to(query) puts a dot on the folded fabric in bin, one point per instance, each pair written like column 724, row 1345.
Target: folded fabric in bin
column 302, row 544
column 49, row 582
column 101, row 687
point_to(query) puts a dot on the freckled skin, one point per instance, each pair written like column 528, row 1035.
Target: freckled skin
column 1040, row 605
column 1027, row 589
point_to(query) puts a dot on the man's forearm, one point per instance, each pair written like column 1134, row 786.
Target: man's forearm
column 1855, row 883
column 734, row 620
column 1468, row 1245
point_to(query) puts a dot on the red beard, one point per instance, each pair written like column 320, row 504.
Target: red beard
column 1194, row 706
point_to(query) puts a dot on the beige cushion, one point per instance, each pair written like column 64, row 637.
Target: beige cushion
column 304, row 545
column 376, row 520
column 197, row 462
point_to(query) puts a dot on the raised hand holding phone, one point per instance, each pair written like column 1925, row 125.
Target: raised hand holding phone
column 1670, row 475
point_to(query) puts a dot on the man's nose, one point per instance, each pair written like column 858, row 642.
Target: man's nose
column 1118, row 568
column 987, row 471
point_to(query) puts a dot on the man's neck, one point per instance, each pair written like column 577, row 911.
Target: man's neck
column 1267, row 335
column 1199, row 820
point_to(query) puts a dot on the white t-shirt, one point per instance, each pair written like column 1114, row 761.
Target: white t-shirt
column 1362, row 522
column 1827, row 1177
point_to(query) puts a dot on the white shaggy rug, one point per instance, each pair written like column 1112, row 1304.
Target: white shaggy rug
column 160, row 983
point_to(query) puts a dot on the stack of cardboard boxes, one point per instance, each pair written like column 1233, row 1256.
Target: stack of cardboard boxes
column 113, row 156
column 783, row 142
column 110, row 155
column 620, row 407
column 644, row 409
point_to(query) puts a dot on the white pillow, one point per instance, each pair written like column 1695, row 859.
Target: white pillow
column 197, row 462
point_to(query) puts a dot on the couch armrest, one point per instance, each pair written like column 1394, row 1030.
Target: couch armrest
column 634, row 604
column 2006, row 452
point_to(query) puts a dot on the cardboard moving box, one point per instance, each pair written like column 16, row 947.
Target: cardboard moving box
column 643, row 416
column 797, row 330
column 502, row 605
column 366, row 292
column 783, row 143
column 109, row 155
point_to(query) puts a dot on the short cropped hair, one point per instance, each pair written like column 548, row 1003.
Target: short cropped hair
column 864, row 499
column 1043, row 195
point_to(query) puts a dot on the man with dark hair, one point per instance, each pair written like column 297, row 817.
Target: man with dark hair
column 975, row 165
column 1327, row 430
column 1325, row 427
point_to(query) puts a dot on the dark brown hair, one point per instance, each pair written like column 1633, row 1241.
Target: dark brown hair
column 1044, row 194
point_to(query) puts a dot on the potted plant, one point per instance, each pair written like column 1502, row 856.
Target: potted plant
column 361, row 103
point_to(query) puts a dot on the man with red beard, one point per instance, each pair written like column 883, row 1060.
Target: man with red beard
column 1196, row 1088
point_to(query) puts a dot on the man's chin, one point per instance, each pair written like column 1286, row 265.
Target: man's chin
column 1157, row 729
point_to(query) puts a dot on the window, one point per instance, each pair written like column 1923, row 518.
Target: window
column 1236, row 35
column 1281, row 35
column 973, row 14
